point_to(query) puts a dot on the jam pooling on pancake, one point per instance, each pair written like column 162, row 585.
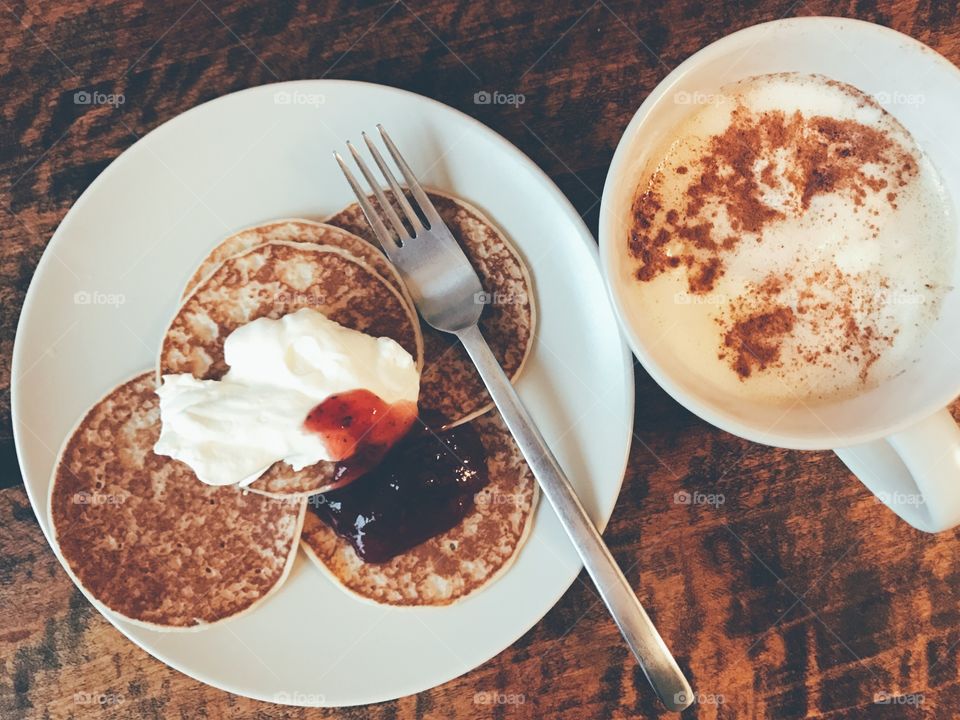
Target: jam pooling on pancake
column 422, row 486
column 358, row 428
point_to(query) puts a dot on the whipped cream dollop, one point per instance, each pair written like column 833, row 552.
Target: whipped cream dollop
column 231, row 430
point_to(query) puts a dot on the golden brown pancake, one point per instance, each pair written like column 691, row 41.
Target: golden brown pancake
column 150, row 541
column 272, row 280
column 450, row 384
column 455, row 564
column 302, row 231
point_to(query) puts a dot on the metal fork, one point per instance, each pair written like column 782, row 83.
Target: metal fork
column 447, row 292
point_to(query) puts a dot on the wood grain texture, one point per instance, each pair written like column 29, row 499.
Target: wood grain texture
column 797, row 597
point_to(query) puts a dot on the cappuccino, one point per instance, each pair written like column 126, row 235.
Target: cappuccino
column 791, row 240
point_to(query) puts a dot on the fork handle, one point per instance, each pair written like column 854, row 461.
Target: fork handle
column 642, row 637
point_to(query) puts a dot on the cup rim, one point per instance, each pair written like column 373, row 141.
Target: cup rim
column 828, row 439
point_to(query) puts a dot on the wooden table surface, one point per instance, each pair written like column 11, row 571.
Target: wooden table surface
column 798, row 596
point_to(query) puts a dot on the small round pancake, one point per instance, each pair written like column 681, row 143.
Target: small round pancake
column 450, row 384
column 455, row 564
column 146, row 538
column 271, row 280
column 302, row 231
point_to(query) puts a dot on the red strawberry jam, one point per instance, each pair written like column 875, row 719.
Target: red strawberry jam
column 358, row 428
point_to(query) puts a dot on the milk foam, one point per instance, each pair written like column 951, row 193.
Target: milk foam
column 883, row 264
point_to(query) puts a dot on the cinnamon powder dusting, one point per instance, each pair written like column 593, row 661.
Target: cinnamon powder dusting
column 761, row 169
column 842, row 322
column 827, row 155
column 754, row 341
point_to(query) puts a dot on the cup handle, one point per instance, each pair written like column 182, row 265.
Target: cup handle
column 915, row 472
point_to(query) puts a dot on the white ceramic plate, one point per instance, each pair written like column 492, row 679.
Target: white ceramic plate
column 109, row 281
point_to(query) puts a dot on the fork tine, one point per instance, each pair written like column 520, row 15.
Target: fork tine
column 426, row 207
column 387, row 242
column 395, row 188
column 385, row 205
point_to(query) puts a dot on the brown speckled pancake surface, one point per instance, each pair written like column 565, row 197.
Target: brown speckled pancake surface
column 272, row 280
column 302, row 231
column 450, row 384
column 150, row 541
column 452, row 565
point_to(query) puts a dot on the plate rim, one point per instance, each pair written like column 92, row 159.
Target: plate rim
column 563, row 204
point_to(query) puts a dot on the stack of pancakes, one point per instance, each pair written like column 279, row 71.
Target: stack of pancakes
column 155, row 545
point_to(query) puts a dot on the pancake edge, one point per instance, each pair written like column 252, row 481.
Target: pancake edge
column 501, row 571
column 312, row 247
column 189, row 288
column 105, row 609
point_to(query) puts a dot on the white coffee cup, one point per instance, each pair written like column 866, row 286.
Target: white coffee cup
column 898, row 438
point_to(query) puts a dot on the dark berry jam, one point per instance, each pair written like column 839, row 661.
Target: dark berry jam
column 422, row 486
